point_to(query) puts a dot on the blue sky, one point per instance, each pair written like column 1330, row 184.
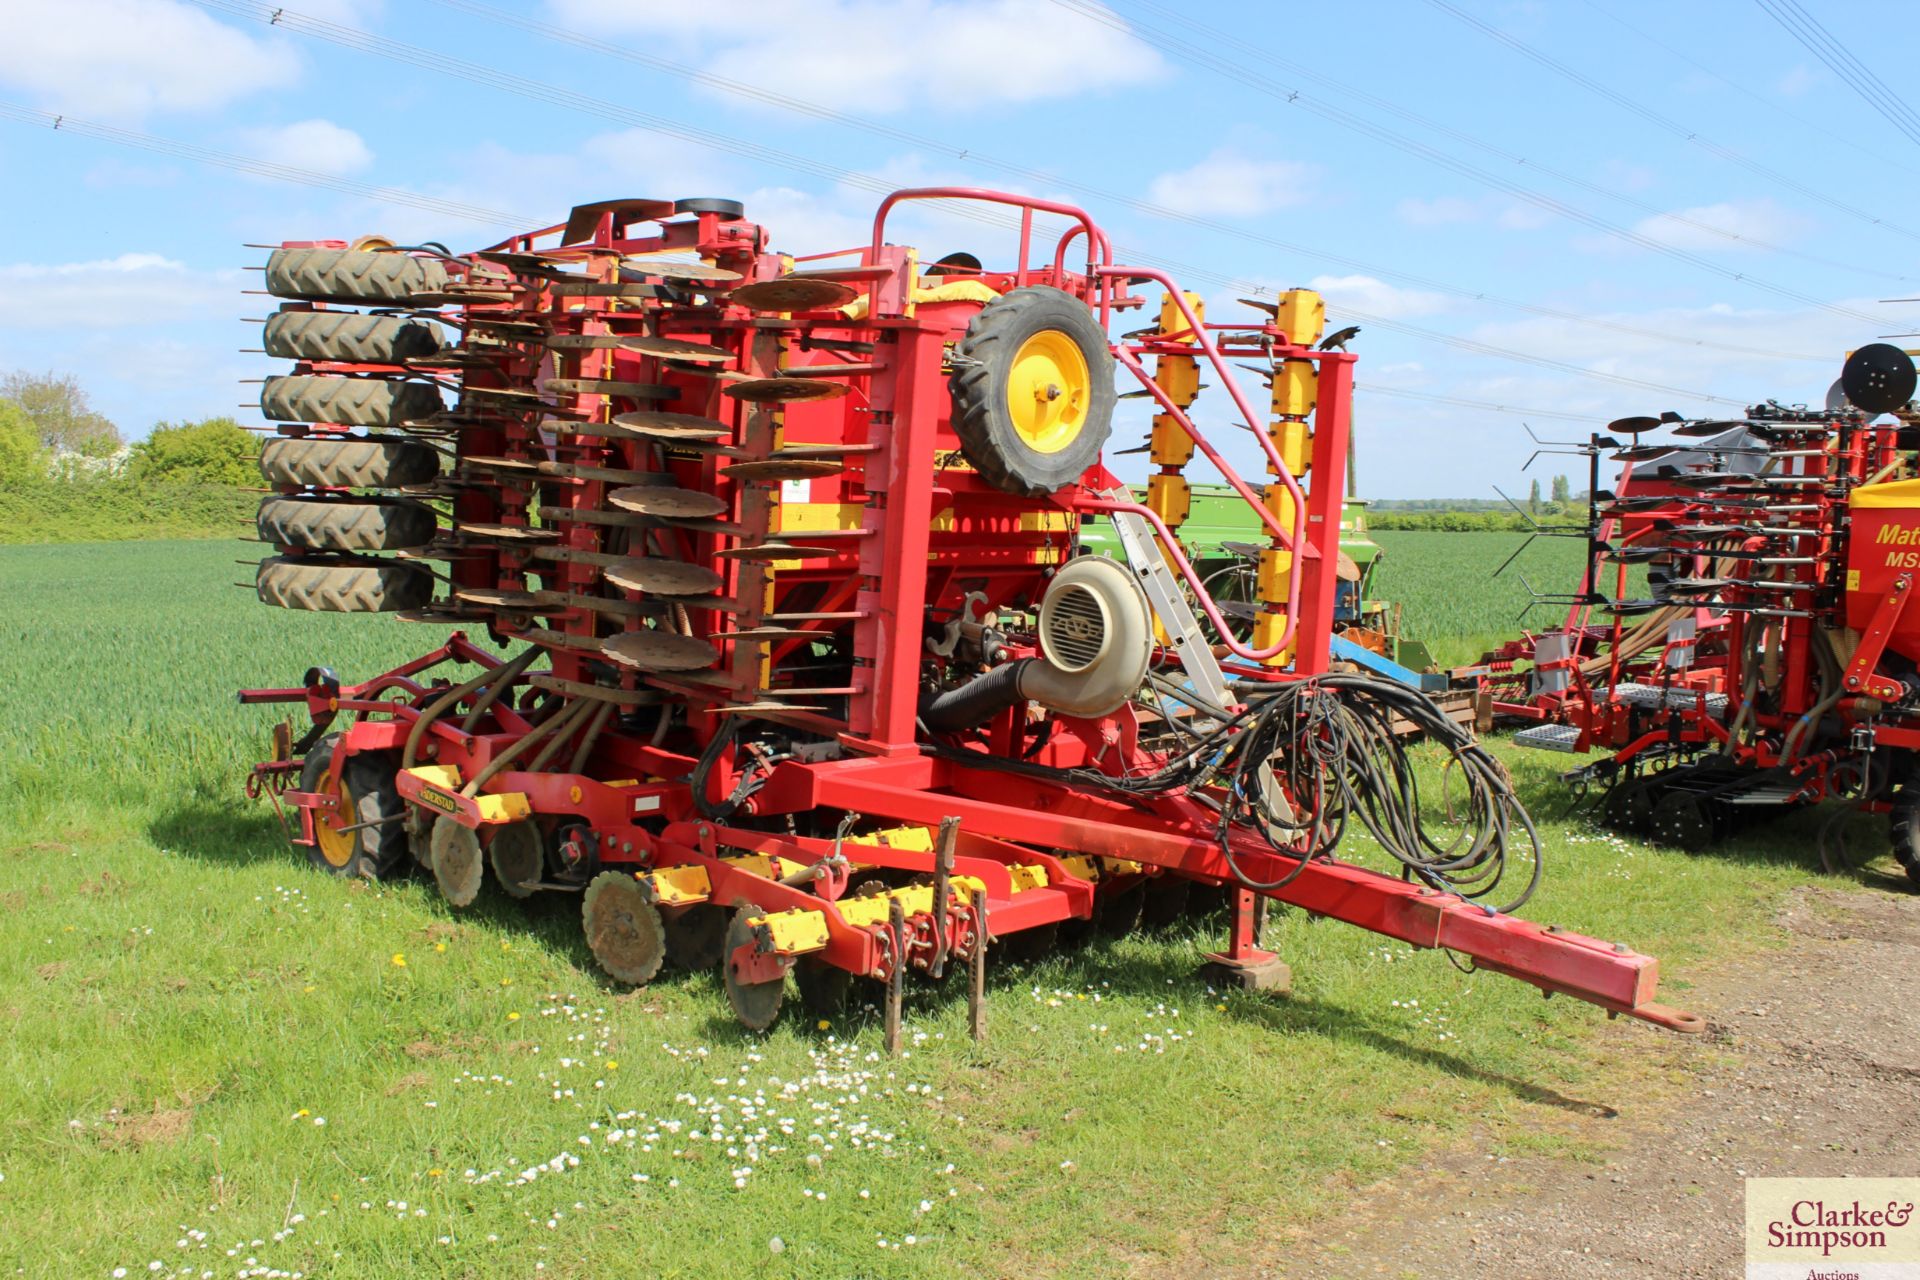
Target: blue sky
column 1503, row 233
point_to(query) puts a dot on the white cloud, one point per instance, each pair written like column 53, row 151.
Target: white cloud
column 1795, row 82
column 1746, row 220
column 320, row 145
column 1437, row 212
column 132, row 290
column 1229, row 183
column 1364, row 293
column 1442, row 211
column 955, row 55
column 124, row 58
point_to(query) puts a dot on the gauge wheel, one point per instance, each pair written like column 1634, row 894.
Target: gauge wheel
column 365, row 793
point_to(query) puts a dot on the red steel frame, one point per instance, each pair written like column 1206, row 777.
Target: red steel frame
column 650, row 818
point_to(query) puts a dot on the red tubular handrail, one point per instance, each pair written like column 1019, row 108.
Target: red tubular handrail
column 1099, row 247
column 1292, row 539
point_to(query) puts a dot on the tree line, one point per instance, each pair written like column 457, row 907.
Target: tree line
column 67, row 473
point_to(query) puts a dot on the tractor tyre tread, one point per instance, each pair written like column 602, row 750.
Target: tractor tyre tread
column 347, row 402
column 349, row 337
column 380, row 851
column 347, row 462
column 351, row 275
column 1903, row 825
column 364, row 524
column 342, row 584
column 982, row 364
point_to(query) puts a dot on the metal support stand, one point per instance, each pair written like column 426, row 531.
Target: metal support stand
column 897, row 976
column 1243, row 965
column 977, row 970
column 942, row 882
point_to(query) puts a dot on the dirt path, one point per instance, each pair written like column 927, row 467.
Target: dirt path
column 1811, row 1067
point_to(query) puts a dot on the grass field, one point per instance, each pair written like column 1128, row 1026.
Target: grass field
column 219, row 1060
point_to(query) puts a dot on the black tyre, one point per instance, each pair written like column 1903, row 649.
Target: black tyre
column 347, row 462
column 349, row 337
column 1628, row 807
column 363, row 524
column 1166, row 901
column 1904, row 827
column 347, row 402
column 1032, row 389
column 349, row 275
column 342, row 584
column 1117, row 913
column 366, row 793
column 1683, row 820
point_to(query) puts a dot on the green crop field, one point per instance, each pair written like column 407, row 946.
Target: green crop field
column 220, row 1062
column 1446, row 586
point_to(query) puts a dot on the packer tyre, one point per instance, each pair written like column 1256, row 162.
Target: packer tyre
column 366, row 793
column 364, row 524
column 517, row 854
column 348, row 275
column 342, row 584
column 1032, row 389
column 1904, row 827
column 1684, row 821
column 1166, row 901
column 696, row 936
column 347, row 402
column 623, row 929
column 346, row 462
column 756, row 1004
column 349, row 337
column 823, row 987
column 458, row 866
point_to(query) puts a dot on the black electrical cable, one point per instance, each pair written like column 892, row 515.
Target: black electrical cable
column 1301, row 758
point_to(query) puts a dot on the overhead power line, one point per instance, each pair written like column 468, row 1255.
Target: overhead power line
column 1528, row 163
column 1856, row 75
column 1747, row 91
column 262, row 168
column 1691, row 136
column 321, row 29
column 1232, row 68
column 1488, row 406
column 507, row 221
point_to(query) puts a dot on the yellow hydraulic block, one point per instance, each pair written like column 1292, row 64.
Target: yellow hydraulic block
column 1296, row 388
column 678, row 886
column 1302, row 316
column 1121, row 866
column 912, row 839
column 765, row 865
column 1169, row 497
column 794, row 932
column 1027, row 877
column 1293, row 441
column 1169, row 445
column 915, row 900
column 1081, row 867
column 444, row 776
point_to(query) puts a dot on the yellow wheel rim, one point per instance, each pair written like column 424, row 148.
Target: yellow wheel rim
column 336, row 847
column 1048, row 391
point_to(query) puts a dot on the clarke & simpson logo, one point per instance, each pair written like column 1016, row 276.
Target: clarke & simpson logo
column 1833, row 1229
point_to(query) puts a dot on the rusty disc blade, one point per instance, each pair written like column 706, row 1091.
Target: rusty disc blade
column 441, row 617
column 782, row 390
column 580, row 471
column 678, row 349
column 660, row 500
column 603, row 289
column 793, row 295
column 662, row 577
column 502, row 464
column 759, row 635
column 502, row 393
column 610, row 387
column 460, row 297
column 496, row 598
column 661, row 651
column 509, row 532
column 748, row 708
column 670, row 269
column 672, row 426
column 777, row 551
column 783, row 469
